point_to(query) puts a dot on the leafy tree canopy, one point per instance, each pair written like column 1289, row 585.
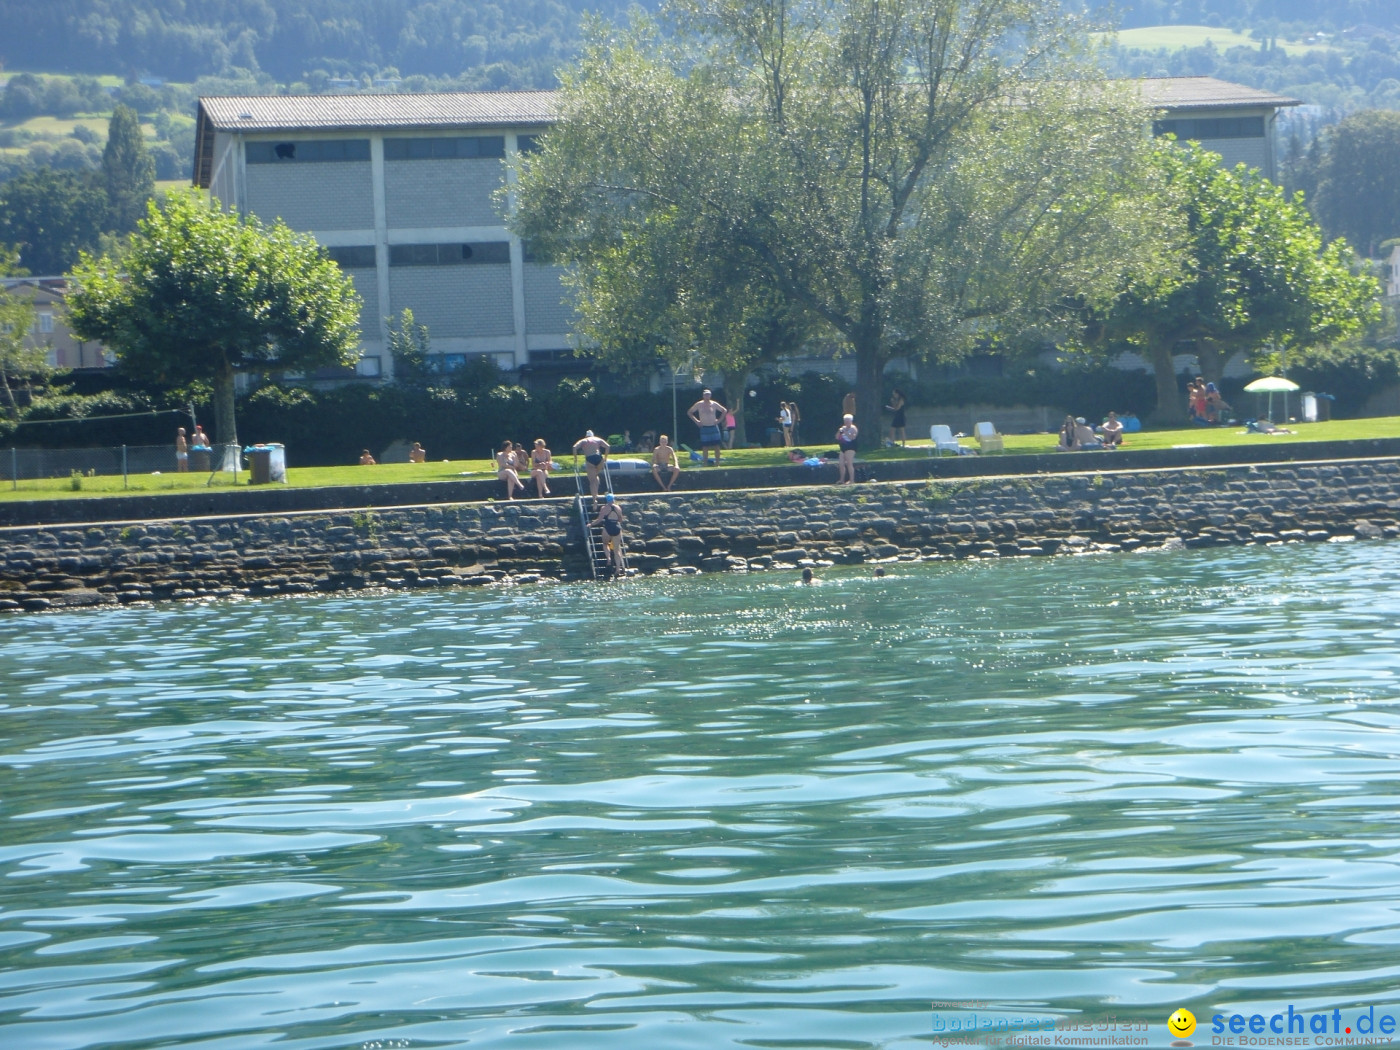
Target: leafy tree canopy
column 1255, row 276
column 128, row 172
column 52, row 216
column 1358, row 191
column 201, row 294
column 915, row 178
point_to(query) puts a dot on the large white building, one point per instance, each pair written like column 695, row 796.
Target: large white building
column 409, row 193
column 404, row 191
column 1230, row 119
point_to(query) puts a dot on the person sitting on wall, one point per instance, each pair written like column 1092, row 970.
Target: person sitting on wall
column 541, row 462
column 506, row 469
column 663, row 458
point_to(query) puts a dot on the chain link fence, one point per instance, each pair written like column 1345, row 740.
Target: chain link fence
column 19, row 465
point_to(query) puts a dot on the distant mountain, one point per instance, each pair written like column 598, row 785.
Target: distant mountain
column 522, row 40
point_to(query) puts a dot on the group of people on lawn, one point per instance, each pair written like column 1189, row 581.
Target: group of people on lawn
column 1078, row 436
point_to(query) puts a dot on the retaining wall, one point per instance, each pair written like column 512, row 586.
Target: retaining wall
column 281, row 499
column 750, row 530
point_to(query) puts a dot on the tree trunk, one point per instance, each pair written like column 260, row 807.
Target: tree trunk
column 11, row 407
column 1211, row 359
column 1169, row 403
column 870, row 381
column 225, row 430
column 734, row 394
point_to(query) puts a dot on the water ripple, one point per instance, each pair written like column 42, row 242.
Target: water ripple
column 732, row 811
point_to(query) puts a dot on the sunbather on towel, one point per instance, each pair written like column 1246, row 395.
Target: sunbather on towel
column 1264, row 426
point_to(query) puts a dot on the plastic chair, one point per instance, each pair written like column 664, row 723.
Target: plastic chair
column 941, row 440
column 987, row 438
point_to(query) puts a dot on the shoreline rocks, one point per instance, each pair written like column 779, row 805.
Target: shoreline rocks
column 45, row 568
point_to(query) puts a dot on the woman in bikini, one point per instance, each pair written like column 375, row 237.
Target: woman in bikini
column 540, row 458
column 610, row 517
column 846, row 442
column 505, row 469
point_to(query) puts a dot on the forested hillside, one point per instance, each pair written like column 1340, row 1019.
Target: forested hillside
column 1307, row 15
column 289, row 39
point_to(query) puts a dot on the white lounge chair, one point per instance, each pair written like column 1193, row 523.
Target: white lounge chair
column 987, row 438
column 941, row 440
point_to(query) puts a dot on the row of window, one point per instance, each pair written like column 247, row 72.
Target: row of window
column 361, row 256
column 1202, row 128
column 445, row 149
column 331, row 150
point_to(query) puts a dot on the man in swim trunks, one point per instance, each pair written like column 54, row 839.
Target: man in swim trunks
column 610, row 517
column 182, row 451
column 663, row 457
column 709, row 417
column 594, row 451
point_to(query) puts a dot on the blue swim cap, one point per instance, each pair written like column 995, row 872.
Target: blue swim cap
column 608, row 498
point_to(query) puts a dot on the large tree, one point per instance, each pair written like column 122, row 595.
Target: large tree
column 1254, row 276
column 201, row 294
column 23, row 360
column 918, row 177
column 128, row 170
column 1358, row 192
column 52, row 216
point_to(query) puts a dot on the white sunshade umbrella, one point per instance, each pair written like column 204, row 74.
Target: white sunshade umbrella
column 1271, row 385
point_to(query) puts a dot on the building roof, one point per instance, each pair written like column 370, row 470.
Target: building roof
column 1206, row 93
column 500, row 109
column 454, row 109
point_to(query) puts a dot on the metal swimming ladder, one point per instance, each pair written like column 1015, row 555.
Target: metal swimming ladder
column 599, row 562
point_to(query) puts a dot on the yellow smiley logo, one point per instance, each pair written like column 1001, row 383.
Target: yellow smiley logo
column 1182, row 1023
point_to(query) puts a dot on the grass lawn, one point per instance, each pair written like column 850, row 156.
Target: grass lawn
column 457, row 470
column 1175, row 38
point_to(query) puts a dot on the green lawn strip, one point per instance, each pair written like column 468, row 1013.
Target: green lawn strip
column 458, row 470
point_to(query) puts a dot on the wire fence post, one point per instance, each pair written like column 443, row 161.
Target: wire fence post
column 14, row 468
column 123, row 466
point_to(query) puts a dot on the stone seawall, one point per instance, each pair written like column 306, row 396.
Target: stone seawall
column 527, row 541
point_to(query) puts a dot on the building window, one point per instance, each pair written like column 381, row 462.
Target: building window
column 46, row 323
column 307, row 151
column 353, row 257
column 448, row 254
column 527, row 143
column 367, row 367
column 445, row 148
column 445, row 364
column 1201, row 129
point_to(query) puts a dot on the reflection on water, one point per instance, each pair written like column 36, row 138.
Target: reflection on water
column 725, row 811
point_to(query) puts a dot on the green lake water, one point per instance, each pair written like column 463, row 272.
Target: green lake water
column 719, row 811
